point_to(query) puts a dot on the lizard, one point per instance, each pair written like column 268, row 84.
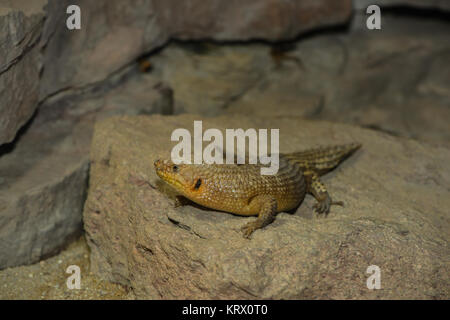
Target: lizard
column 242, row 190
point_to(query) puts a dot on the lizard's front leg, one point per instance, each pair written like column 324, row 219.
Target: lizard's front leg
column 267, row 212
column 181, row 201
column 319, row 191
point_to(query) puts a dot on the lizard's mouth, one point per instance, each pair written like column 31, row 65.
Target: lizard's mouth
column 163, row 170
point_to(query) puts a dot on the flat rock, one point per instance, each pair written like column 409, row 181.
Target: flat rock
column 396, row 199
column 21, row 25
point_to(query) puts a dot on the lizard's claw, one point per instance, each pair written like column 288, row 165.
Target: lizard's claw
column 180, row 202
column 324, row 205
column 177, row 203
column 248, row 229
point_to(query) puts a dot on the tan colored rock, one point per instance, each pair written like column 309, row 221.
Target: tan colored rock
column 395, row 216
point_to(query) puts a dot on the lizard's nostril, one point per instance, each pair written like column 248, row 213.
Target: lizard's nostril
column 156, row 163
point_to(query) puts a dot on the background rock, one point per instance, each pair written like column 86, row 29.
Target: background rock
column 206, row 78
column 271, row 20
column 395, row 191
column 114, row 34
column 20, row 62
column 420, row 4
column 42, row 191
column 395, row 81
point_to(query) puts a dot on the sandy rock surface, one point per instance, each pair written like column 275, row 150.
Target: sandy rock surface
column 47, row 279
column 395, row 216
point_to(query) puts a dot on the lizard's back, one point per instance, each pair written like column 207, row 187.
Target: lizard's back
column 232, row 187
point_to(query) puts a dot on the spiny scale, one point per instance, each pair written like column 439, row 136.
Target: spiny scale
column 322, row 159
column 231, row 187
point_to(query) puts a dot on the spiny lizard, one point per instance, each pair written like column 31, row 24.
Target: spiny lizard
column 242, row 190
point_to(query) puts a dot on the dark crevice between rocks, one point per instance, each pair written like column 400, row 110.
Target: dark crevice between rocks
column 203, row 46
column 147, row 54
column 185, row 227
column 380, row 129
column 85, row 195
column 423, row 13
column 247, row 291
column 115, row 79
column 99, row 88
column 9, row 147
column 144, row 249
column 200, row 46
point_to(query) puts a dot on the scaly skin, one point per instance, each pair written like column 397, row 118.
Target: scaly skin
column 242, row 190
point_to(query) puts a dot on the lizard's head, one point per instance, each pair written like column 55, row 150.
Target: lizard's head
column 181, row 177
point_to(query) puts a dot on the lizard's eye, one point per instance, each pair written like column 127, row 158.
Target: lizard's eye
column 198, row 184
column 175, row 168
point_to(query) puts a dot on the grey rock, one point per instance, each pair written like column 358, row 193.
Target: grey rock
column 206, row 78
column 43, row 175
column 425, row 4
column 42, row 193
column 252, row 19
column 20, row 62
column 395, row 216
column 115, row 33
column 395, row 81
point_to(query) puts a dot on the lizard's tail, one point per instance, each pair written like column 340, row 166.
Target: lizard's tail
column 322, row 159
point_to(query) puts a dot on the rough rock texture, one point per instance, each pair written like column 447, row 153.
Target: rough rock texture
column 206, row 78
column 252, row 19
column 114, row 33
column 43, row 175
column 420, row 4
column 47, row 279
column 395, row 81
column 366, row 79
column 42, row 189
column 395, row 216
column 20, row 62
